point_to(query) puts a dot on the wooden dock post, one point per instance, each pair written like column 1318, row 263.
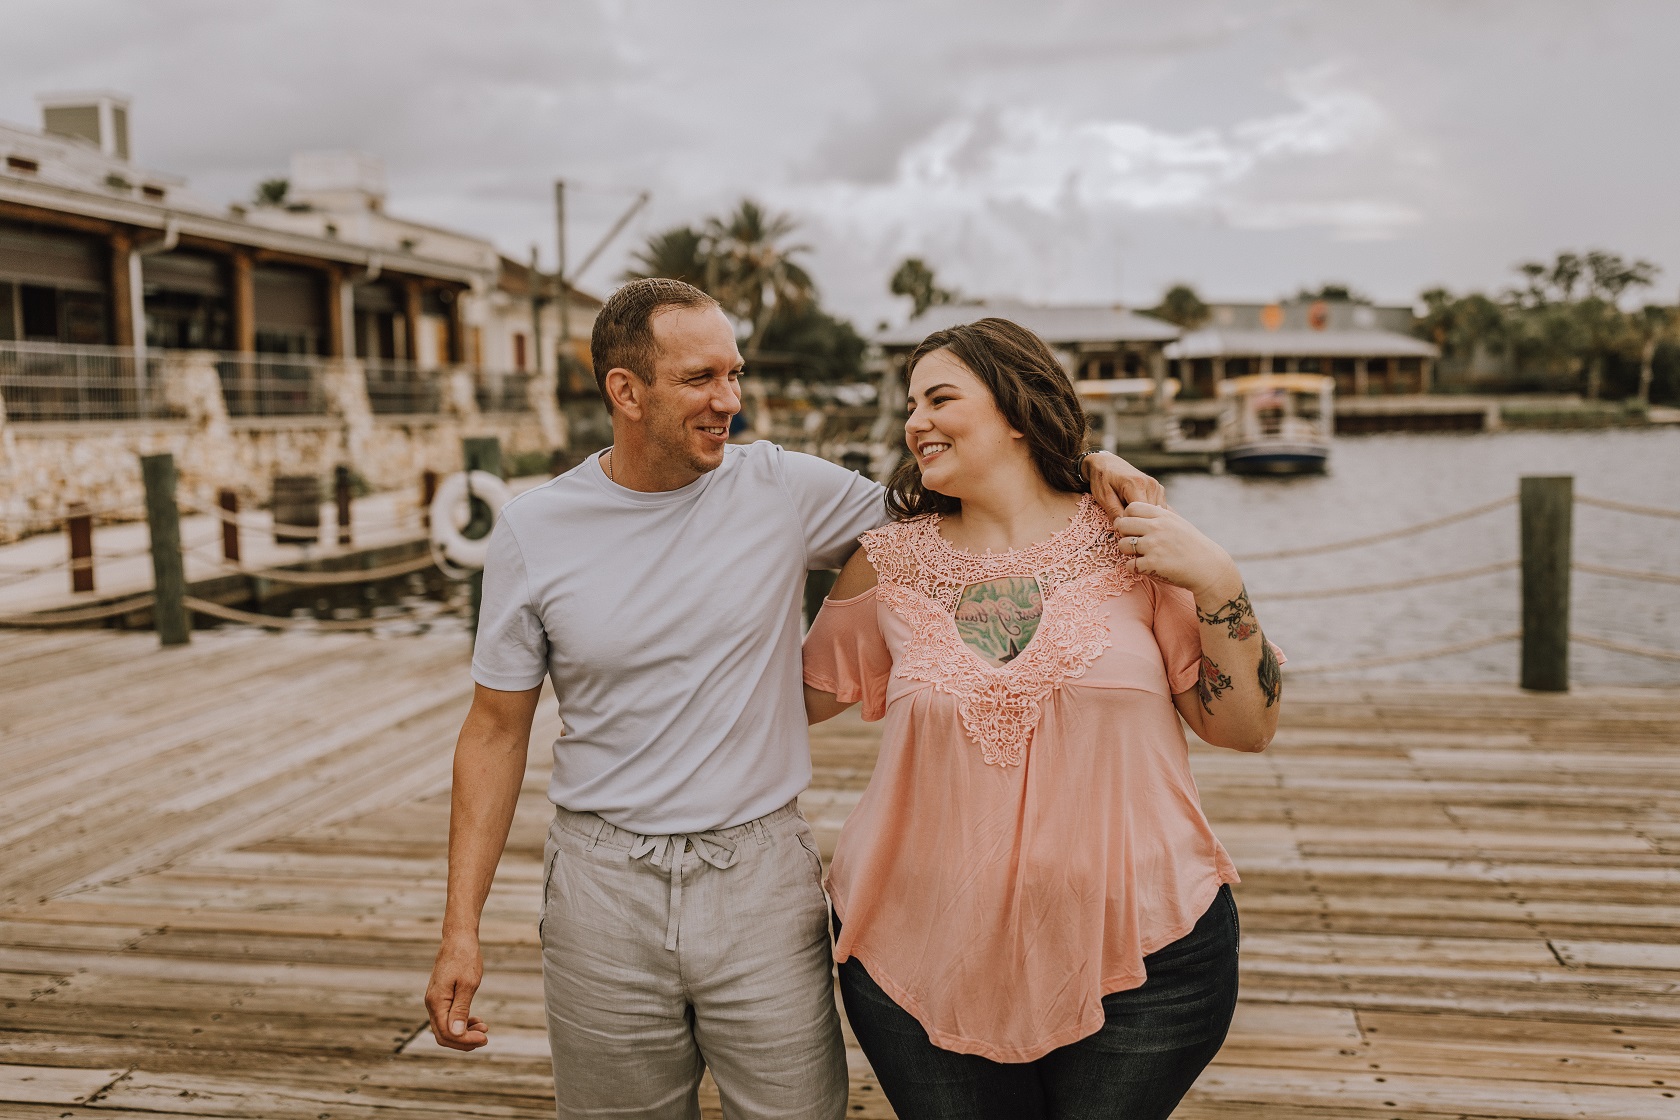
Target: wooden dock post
column 479, row 453
column 228, row 500
column 428, row 491
column 78, row 525
column 169, row 577
column 341, row 497
column 1548, row 506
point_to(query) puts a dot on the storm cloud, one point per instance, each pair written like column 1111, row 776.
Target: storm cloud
column 1072, row 151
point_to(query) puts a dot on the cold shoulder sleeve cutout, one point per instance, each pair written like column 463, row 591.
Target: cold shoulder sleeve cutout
column 846, row 655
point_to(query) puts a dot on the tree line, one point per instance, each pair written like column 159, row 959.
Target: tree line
column 1561, row 326
column 746, row 261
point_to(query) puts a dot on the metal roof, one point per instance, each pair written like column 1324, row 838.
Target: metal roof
column 1059, row 326
column 1302, row 344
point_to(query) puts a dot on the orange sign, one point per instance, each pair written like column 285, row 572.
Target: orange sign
column 1271, row 316
column 1318, row 315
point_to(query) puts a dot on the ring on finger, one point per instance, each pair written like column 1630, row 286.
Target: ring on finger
column 1132, row 544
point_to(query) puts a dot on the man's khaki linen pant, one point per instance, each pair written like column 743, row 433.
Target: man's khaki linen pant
column 665, row 955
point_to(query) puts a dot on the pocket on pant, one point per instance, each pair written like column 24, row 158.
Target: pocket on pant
column 809, row 843
column 552, row 855
column 1230, row 898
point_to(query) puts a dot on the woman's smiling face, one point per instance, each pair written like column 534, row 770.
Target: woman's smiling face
column 955, row 429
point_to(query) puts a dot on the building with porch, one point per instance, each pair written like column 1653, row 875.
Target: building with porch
column 119, row 286
column 1367, row 349
column 1093, row 341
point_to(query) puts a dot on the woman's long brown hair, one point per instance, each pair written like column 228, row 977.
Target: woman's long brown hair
column 1029, row 387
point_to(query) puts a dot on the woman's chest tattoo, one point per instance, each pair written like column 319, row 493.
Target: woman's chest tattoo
column 996, row 619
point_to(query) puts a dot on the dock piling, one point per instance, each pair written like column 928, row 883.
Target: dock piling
column 1547, row 504
column 428, row 491
column 479, row 453
column 78, row 525
column 163, row 518
column 341, row 497
column 228, row 500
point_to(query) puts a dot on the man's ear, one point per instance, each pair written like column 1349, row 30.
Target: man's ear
column 627, row 392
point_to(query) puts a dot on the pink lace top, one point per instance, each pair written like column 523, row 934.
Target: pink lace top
column 1031, row 830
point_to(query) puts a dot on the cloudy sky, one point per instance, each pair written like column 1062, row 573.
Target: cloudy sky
column 1074, row 151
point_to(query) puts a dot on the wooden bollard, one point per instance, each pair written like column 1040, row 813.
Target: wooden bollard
column 169, row 577
column 428, row 491
column 78, row 525
column 479, row 453
column 341, row 496
column 1547, row 509
column 228, row 500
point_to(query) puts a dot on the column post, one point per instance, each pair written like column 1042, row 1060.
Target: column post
column 1361, row 378
column 169, row 578
column 1547, row 506
column 339, row 342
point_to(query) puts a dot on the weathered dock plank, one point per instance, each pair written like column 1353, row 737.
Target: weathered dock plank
column 222, row 868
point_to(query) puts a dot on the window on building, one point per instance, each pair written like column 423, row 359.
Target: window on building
column 40, row 313
column 22, row 165
column 8, row 312
column 153, row 194
column 519, row 352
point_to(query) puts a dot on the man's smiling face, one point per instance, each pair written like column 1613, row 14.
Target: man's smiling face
column 696, row 387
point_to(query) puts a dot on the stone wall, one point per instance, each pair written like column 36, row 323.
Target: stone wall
column 45, row 467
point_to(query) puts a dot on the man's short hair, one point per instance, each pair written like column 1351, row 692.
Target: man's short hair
column 623, row 334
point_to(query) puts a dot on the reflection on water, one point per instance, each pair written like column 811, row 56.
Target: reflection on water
column 1378, row 483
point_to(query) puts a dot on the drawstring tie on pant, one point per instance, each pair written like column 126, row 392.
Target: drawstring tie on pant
column 709, row 846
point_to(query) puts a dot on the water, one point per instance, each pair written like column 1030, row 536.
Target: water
column 1378, row 483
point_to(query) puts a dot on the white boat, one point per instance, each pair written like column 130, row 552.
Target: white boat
column 1277, row 423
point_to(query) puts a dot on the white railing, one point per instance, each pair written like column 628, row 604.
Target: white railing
column 402, row 388
column 259, row 385
column 45, row 381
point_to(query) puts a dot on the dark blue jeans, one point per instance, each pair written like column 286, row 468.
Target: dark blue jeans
column 1156, row 1042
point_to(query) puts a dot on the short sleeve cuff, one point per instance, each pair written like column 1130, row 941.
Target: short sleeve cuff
column 506, row 682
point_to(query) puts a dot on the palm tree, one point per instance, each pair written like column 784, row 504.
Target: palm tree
column 752, row 271
column 1653, row 325
column 679, row 253
column 916, row 280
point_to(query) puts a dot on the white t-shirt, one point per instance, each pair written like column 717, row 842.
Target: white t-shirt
column 670, row 625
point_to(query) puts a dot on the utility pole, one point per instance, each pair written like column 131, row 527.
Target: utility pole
column 536, row 313
column 560, row 266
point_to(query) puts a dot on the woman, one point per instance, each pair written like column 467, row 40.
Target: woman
column 1033, row 917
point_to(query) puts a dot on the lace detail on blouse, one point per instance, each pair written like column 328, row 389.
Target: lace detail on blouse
column 921, row 578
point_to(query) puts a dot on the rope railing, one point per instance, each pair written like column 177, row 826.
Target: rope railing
column 79, row 616
column 1623, row 647
column 1402, row 658
column 1379, row 538
column 275, row 622
column 1626, row 573
column 1393, row 585
column 1627, row 507
column 335, row 579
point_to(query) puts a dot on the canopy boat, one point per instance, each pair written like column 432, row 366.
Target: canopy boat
column 1277, row 423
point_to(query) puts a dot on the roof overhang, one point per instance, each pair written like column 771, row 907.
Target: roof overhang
column 83, row 208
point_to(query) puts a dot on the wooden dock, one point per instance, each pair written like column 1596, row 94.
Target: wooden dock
column 222, row 868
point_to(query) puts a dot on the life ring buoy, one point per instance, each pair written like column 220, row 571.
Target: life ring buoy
column 452, row 510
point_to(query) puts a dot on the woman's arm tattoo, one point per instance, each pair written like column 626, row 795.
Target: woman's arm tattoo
column 1237, row 616
column 1211, row 684
column 1271, row 673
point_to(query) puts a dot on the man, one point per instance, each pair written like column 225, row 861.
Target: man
column 658, row 584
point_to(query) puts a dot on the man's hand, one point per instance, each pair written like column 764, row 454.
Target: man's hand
column 1115, row 483
column 455, row 979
